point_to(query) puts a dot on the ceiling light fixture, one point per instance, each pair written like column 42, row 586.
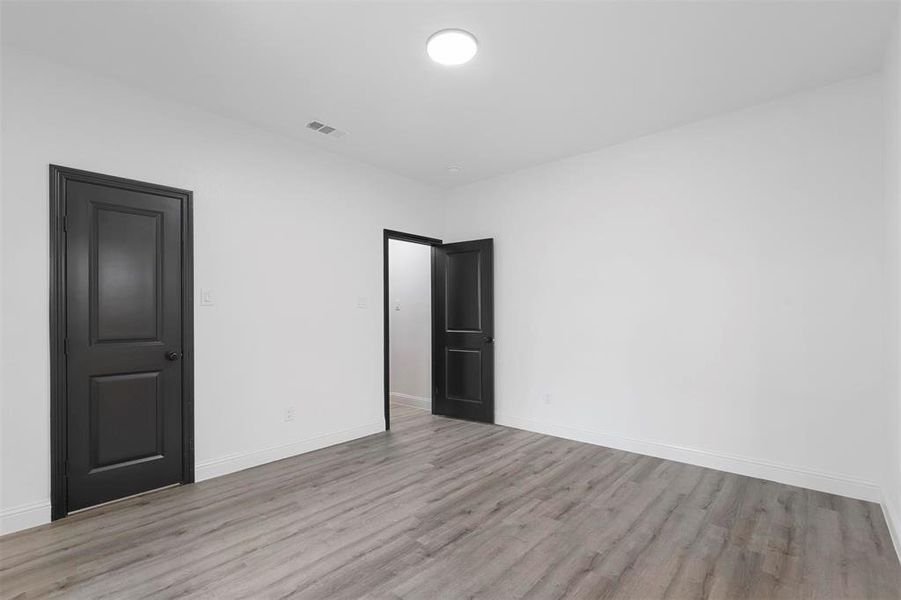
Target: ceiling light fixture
column 452, row 47
column 454, row 169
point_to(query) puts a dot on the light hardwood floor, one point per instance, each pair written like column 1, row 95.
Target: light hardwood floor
column 442, row 509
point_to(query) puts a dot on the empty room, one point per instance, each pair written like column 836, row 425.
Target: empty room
column 448, row 300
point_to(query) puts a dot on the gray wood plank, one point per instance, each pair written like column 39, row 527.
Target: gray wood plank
column 438, row 508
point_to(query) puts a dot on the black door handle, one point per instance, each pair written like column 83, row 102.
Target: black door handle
column 487, row 339
column 173, row 355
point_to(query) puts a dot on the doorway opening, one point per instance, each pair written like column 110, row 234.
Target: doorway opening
column 408, row 293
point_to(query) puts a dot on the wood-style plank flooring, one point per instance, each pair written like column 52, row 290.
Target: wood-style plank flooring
column 444, row 509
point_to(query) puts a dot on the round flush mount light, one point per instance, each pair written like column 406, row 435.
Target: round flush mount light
column 454, row 169
column 452, row 47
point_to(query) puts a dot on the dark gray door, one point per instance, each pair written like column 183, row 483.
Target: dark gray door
column 123, row 337
column 463, row 336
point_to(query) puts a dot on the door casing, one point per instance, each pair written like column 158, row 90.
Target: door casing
column 389, row 234
column 59, row 176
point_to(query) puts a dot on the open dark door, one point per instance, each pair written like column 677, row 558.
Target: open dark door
column 463, row 336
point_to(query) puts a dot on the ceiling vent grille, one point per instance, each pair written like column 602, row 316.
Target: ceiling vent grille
column 326, row 129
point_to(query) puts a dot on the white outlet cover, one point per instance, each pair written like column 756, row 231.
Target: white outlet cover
column 362, row 302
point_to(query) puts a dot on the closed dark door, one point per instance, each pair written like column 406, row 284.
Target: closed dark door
column 463, row 336
column 123, row 293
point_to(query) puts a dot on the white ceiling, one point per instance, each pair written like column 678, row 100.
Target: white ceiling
column 550, row 80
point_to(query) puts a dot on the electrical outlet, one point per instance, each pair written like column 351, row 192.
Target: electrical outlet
column 362, row 302
column 547, row 398
column 289, row 415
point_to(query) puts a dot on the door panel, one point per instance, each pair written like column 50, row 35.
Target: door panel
column 127, row 247
column 462, row 299
column 126, row 419
column 464, row 375
column 463, row 336
column 124, row 336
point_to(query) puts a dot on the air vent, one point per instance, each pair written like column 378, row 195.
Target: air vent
column 326, row 129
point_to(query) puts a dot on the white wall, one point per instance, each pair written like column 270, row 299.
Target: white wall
column 892, row 479
column 275, row 221
column 410, row 320
column 713, row 293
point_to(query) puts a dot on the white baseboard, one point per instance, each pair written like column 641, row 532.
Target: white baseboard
column 410, row 400
column 25, row 516
column 894, row 524
column 245, row 460
column 823, row 482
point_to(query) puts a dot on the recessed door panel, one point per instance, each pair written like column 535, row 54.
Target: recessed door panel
column 126, row 419
column 126, row 274
column 463, row 331
column 464, row 374
column 463, row 306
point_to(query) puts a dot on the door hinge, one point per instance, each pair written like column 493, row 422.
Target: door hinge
column 66, row 346
column 65, row 223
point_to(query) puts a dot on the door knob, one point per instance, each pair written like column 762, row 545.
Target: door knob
column 173, row 355
column 487, row 339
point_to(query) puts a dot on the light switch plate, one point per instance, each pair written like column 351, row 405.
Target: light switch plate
column 206, row 297
column 362, row 302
